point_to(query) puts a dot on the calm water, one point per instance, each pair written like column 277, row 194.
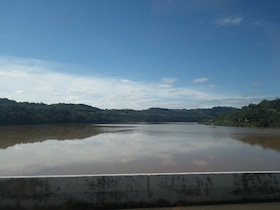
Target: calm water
column 136, row 148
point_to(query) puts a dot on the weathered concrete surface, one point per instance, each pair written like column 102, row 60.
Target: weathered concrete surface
column 139, row 190
column 246, row 206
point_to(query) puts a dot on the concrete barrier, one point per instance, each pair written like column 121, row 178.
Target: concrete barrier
column 137, row 190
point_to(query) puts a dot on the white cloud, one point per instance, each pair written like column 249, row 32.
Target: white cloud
column 200, row 80
column 237, row 101
column 229, row 20
column 40, row 81
column 19, row 91
column 168, row 80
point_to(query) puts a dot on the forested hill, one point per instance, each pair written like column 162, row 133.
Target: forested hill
column 12, row 112
column 264, row 114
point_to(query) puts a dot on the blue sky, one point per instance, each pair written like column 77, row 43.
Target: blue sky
column 140, row 54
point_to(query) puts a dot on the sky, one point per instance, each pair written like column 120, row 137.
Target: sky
column 129, row 54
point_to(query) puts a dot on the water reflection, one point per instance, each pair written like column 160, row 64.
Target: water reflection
column 265, row 141
column 11, row 135
column 142, row 149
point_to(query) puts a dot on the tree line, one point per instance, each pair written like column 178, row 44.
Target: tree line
column 21, row 113
column 264, row 114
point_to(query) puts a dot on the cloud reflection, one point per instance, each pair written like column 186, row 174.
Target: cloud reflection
column 106, row 148
column 143, row 149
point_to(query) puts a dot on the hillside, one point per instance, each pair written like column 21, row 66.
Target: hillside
column 264, row 114
column 15, row 113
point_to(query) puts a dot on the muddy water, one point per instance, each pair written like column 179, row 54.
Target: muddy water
column 136, row 148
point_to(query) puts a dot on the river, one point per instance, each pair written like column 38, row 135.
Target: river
column 136, row 148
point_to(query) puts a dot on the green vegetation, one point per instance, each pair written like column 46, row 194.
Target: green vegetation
column 264, row 114
column 12, row 113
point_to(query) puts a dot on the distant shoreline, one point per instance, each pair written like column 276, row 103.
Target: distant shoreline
column 21, row 113
column 264, row 114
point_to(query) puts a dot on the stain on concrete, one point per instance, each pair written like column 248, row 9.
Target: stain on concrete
column 33, row 188
column 259, row 184
column 116, row 191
